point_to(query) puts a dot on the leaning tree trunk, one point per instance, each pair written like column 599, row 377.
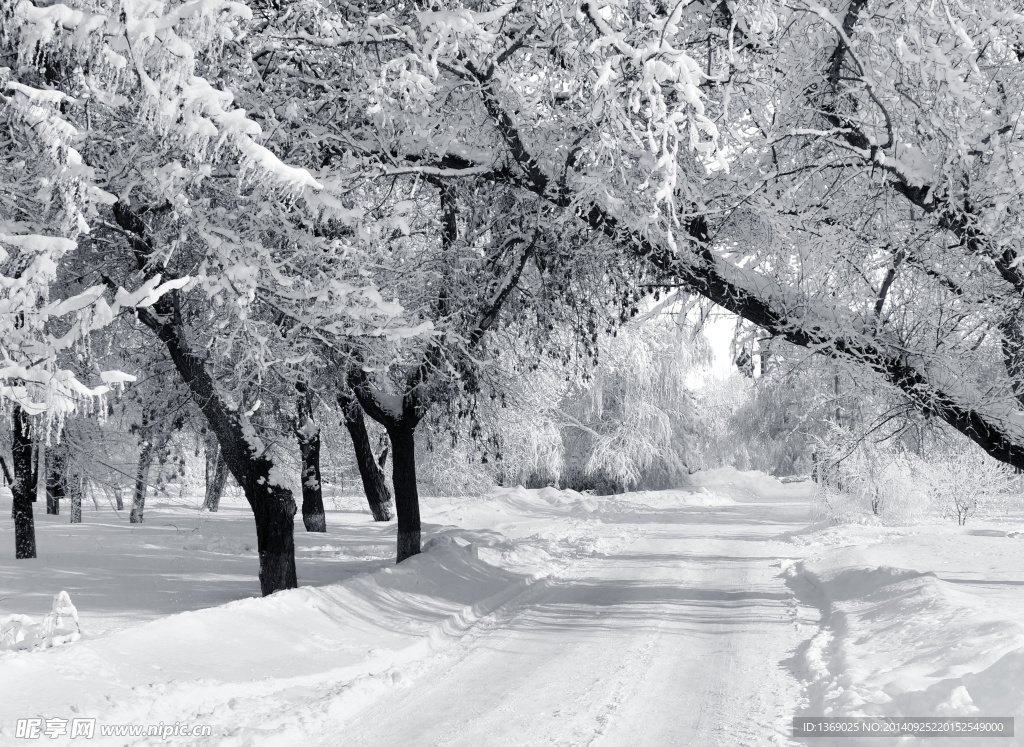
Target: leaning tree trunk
column 141, row 483
column 56, row 464
column 216, row 475
column 374, row 483
column 272, row 505
column 313, row 516
column 23, row 486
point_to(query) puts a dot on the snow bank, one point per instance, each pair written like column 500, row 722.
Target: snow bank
column 754, row 483
column 661, row 500
column 347, row 641
column 546, row 500
column 901, row 642
column 572, row 503
column 525, row 529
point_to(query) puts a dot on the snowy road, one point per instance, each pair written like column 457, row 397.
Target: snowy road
column 680, row 637
column 702, row 616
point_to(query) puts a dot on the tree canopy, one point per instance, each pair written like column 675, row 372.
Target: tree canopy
column 374, row 198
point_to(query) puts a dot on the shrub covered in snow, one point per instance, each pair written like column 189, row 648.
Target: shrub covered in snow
column 858, row 478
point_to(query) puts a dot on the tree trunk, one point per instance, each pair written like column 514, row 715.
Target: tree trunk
column 216, row 475
column 117, row 499
column 313, row 517
column 765, row 346
column 1012, row 331
column 407, row 499
column 272, row 505
column 73, row 486
column 56, row 464
column 374, row 483
column 39, row 455
column 141, row 483
column 23, row 487
column 401, row 428
column 839, row 410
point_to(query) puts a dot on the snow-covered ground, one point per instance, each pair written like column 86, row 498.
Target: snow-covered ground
column 705, row 616
column 917, row 621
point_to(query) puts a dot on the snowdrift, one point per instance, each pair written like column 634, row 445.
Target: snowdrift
column 750, row 485
column 274, row 670
column 235, row 664
column 902, row 642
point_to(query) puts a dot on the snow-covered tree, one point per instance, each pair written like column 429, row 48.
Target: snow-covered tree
column 371, row 189
column 840, row 175
column 48, row 199
column 633, row 421
column 195, row 205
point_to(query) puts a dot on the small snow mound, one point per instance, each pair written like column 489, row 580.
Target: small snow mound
column 959, row 703
column 440, row 543
column 550, row 494
column 825, row 534
column 59, row 626
column 850, row 583
column 705, row 497
column 547, row 500
column 788, row 568
column 449, row 543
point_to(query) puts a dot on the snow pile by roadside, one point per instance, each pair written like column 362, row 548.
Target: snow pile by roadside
column 645, row 501
column 750, row 484
column 547, row 499
column 519, row 527
column 901, row 642
column 568, row 502
column 266, row 671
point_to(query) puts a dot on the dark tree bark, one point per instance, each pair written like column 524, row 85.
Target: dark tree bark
column 421, row 386
column 118, row 502
column 272, row 505
column 56, row 465
column 401, row 429
column 23, row 486
column 375, row 486
column 141, row 483
column 73, row 487
column 216, row 475
column 1012, row 329
column 407, row 499
column 313, row 516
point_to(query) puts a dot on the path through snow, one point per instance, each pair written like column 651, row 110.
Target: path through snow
column 675, row 638
column 532, row 617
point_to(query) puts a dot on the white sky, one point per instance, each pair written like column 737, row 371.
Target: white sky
column 718, row 329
